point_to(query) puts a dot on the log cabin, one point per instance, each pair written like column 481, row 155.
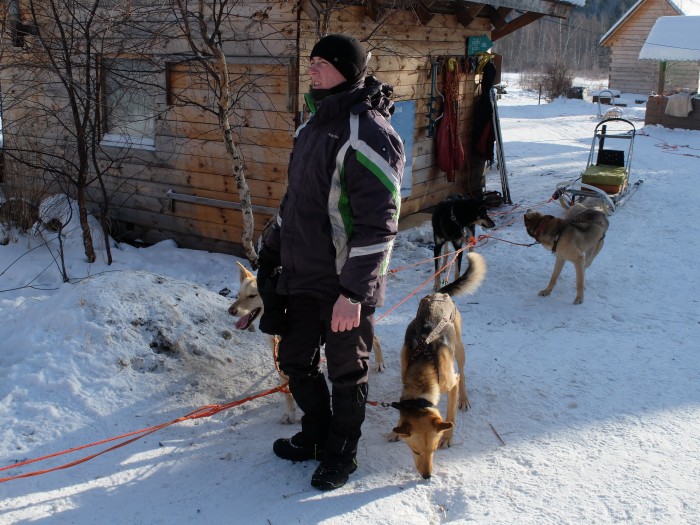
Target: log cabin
column 625, row 39
column 152, row 155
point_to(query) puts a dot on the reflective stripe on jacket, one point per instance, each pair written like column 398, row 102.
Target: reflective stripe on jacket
column 338, row 220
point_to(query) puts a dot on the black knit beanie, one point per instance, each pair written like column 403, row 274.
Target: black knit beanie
column 345, row 53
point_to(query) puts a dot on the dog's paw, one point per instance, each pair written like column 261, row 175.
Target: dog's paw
column 379, row 366
column 288, row 418
column 464, row 405
column 544, row 293
column 445, row 442
column 578, row 300
column 392, row 437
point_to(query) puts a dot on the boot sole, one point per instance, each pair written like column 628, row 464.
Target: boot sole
column 328, row 485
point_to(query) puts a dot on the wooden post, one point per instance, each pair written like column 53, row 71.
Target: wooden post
column 662, row 78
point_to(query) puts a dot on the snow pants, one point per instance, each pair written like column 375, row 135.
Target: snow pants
column 347, row 353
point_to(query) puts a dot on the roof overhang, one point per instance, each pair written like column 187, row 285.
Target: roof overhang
column 673, row 38
column 505, row 16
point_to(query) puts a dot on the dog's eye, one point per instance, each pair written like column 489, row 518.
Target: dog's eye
column 416, row 452
column 252, row 296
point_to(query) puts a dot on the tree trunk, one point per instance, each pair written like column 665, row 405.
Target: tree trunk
column 237, row 165
column 85, row 226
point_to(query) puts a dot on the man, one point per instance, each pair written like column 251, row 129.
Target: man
column 333, row 238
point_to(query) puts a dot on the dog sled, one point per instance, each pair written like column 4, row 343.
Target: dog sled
column 606, row 177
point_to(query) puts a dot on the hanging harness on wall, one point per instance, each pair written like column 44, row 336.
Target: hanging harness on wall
column 450, row 153
column 484, row 135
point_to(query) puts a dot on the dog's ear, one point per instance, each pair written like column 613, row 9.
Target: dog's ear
column 441, row 426
column 243, row 272
column 403, row 430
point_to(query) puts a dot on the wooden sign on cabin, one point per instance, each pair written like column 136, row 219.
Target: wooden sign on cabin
column 478, row 44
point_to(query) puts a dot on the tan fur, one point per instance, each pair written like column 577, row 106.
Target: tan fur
column 427, row 370
column 247, row 302
column 580, row 234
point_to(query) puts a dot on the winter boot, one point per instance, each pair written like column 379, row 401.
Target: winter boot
column 311, row 394
column 341, row 447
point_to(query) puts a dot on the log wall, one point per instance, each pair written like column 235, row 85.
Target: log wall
column 631, row 75
column 190, row 158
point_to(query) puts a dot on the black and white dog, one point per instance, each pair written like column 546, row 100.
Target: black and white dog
column 455, row 220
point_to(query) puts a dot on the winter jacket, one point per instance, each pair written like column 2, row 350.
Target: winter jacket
column 338, row 219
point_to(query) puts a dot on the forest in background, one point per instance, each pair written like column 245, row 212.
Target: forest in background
column 573, row 41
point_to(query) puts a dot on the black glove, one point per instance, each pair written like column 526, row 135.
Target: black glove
column 273, row 320
column 268, row 260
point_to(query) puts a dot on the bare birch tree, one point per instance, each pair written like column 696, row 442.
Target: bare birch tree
column 202, row 24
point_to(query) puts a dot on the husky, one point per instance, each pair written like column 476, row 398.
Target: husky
column 248, row 307
column 432, row 343
column 450, row 219
column 578, row 237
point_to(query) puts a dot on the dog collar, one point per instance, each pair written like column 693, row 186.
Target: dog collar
column 413, row 404
column 539, row 229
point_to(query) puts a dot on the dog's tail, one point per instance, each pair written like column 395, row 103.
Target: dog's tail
column 470, row 280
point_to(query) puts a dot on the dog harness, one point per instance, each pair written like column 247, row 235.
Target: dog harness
column 596, row 219
column 423, row 347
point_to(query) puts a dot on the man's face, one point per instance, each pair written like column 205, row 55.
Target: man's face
column 323, row 74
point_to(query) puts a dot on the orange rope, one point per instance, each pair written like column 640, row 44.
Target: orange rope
column 210, row 410
column 205, row 411
column 480, row 241
column 414, row 292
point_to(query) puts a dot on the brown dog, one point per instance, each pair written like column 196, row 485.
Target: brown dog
column 578, row 238
column 248, row 307
column 432, row 343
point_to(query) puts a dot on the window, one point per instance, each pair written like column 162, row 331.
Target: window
column 403, row 121
column 130, row 102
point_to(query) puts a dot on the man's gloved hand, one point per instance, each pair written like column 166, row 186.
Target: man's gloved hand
column 273, row 320
column 268, row 260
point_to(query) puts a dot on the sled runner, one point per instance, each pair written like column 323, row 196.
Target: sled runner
column 607, row 173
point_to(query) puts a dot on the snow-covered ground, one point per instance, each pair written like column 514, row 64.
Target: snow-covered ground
column 598, row 405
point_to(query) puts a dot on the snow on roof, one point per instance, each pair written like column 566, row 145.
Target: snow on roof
column 687, row 7
column 673, row 38
column 682, row 7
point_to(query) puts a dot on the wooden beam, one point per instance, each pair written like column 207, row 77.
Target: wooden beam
column 466, row 14
column 545, row 7
column 423, row 13
column 501, row 14
column 515, row 24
